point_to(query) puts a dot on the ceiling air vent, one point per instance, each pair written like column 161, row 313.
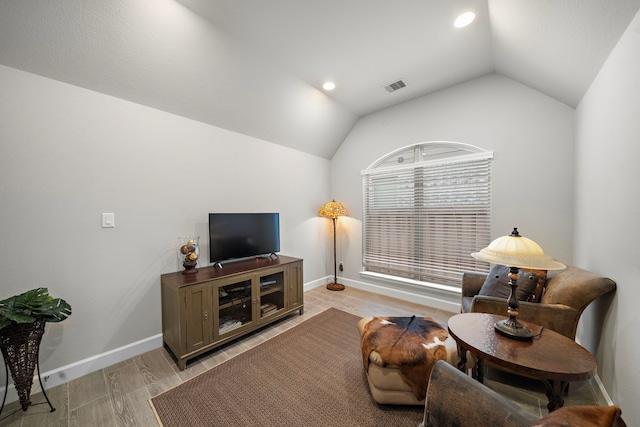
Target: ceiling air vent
column 395, row 86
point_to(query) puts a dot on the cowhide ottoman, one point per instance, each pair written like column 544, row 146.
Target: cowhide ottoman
column 398, row 354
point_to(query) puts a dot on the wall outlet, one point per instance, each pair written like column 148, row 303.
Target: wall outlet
column 341, row 266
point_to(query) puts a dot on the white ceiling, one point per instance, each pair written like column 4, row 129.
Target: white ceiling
column 257, row 67
column 362, row 45
column 555, row 46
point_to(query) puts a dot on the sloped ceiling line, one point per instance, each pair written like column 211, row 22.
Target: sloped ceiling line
column 257, row 67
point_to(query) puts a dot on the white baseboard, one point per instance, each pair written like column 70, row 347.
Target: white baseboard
column 602, row 396
column 431, row 299
column 75, row 370
column 390, row 291
column 78, row 369
column 318, row 282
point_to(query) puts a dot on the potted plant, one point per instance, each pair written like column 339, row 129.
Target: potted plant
column 22, row 321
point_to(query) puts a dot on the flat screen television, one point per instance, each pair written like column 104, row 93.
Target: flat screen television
column 242, row 235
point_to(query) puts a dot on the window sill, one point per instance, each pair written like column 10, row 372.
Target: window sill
column 404, row 281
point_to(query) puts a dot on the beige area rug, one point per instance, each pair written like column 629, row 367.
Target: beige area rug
column 309, row 375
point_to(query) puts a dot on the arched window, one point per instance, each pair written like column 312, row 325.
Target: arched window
column 427, row 207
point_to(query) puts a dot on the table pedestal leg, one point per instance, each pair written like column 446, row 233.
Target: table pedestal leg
column 462, row 359
column 555, row 390
column 479, row 370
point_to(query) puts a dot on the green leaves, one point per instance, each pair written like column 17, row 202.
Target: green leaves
column 24, row 308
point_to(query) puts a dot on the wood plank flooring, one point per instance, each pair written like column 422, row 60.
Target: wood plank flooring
column 118, row 395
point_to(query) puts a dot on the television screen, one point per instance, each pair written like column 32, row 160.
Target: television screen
column 242, row 235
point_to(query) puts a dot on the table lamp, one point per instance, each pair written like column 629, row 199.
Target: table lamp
column 516, row 252
column 333, row 210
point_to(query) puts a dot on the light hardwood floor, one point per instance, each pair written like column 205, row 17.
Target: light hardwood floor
column 118, row 395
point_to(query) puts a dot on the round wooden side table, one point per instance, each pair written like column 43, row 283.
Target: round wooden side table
column 550, row 357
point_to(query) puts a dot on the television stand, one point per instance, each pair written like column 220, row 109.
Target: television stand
column 214, row 306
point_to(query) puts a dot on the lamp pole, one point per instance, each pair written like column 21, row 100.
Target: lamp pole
column 335, row 286
column 335, row 266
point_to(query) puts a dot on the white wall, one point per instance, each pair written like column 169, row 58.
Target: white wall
column 607, row 212
column 68, row 154
column 530, row 134
column 161, row 54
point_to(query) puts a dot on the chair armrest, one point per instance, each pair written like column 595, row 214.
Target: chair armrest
column 488, row 304
column 471, row 283
column 557, row 317
column 455, row 399
column 576, row 288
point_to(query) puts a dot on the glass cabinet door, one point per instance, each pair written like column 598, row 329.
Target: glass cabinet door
column 272, row 293
column 234, row 305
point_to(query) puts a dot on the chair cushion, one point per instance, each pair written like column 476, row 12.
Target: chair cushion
column 497, row 283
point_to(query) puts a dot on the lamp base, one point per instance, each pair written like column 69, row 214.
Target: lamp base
column 335, row 287
column 511, row 328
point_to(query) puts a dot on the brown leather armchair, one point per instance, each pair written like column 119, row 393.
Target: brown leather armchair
column 455, row 399
column 565, row 296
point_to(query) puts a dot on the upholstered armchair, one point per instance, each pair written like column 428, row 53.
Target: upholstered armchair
column 455, row 399
column 557, row 306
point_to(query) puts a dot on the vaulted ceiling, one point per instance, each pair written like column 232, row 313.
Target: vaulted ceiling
column 257, row 67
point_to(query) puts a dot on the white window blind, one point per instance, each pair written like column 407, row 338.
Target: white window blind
column 426, row 209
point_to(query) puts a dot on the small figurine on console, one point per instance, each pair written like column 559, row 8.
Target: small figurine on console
column 189, row 253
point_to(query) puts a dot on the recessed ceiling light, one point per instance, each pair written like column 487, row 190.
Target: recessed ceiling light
column 329, row 86
column 464, row 19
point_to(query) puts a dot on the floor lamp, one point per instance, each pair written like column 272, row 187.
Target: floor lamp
column 333, row 210
column 516, row 252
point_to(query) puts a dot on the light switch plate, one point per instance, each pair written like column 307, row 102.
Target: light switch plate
column 108, row 220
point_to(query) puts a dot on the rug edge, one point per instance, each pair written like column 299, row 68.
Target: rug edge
column 150, row 400
column 155, row 413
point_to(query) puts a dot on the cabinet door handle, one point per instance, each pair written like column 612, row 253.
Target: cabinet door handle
column 206, row 315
